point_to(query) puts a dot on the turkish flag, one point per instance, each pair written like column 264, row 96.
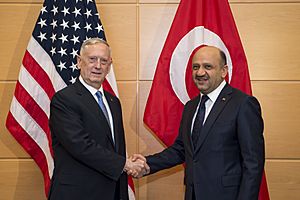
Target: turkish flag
column 196, row 23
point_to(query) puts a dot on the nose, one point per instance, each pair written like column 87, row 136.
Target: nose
column 200, row 71
column 101, row 62
column 98, row 65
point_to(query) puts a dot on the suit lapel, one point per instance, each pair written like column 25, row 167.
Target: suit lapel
column 217, row 108
column 192, row 110
column 114, row 111
column 93, row 107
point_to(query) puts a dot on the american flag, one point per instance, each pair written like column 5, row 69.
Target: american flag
column 49, row 64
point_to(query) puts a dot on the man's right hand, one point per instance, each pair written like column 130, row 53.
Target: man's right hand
column 137, row 166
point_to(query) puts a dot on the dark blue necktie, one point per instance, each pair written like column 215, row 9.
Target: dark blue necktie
column 102, row 106
column 198, row 123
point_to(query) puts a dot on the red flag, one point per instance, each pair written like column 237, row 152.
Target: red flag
column 196, row 23
column 49, row 64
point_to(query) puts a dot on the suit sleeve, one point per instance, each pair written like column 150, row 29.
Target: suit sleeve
column 67, row 126
column 250, row 136
column 168, row 158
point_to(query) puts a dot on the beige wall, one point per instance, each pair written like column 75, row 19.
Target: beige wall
column 136, row 30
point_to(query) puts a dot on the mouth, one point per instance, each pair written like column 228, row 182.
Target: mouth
column 202, row 79
column 96, row 73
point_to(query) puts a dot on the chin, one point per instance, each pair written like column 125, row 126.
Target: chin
column 201, row 87
column 98, row 80
column 203, row 90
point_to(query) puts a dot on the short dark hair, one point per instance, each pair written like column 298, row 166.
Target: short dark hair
column 223, row 58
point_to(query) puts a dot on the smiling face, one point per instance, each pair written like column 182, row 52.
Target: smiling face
column 209, row 70
column 94, row 63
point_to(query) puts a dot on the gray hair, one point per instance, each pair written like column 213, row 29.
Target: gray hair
column 93, row 41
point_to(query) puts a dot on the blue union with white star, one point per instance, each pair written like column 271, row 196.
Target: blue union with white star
column 61, row 28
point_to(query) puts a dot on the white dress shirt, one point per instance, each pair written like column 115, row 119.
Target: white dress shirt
column 93, row 91
column 210, row 102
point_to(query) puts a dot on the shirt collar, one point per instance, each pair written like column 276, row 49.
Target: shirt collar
column 90, row 88
column 214, row 94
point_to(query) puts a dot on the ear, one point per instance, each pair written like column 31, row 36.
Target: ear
column 109, row 67
column 224, row 71
column 78, row 62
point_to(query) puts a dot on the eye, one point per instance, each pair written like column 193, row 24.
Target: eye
column 103, row 61
column 93, row 59
column 195, row 66
column 207, row 66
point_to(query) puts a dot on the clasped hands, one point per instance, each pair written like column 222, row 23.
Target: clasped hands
column 136, row 166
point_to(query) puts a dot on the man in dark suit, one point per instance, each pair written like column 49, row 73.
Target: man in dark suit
column 88, row 135
column 220, row 140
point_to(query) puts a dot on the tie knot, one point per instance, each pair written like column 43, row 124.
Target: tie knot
column 204, row 98
column 99, row 94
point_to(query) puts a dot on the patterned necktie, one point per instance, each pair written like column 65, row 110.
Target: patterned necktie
column 102, row 106
column 198, row 123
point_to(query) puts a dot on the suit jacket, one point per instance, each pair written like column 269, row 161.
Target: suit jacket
column 87, row 163
column 228, row 161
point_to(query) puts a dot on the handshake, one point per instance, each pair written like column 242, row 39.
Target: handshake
column 136, row 166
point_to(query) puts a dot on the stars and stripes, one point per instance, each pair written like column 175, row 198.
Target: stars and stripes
column 61, row 28
column 49, row 64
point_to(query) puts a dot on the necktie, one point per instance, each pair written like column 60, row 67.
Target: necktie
column 198, row 123
column 102, row 106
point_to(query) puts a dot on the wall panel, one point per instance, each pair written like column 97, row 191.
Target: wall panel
column 283, row 179
column 281, row 108
column 22, row 1
column 20, row 180
column 119, row 22
column 152, row 36
column 9, row 148
column 14, row 36
column 148, row 142
column 128, row 98
column 270, row 35
column 167, row 184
